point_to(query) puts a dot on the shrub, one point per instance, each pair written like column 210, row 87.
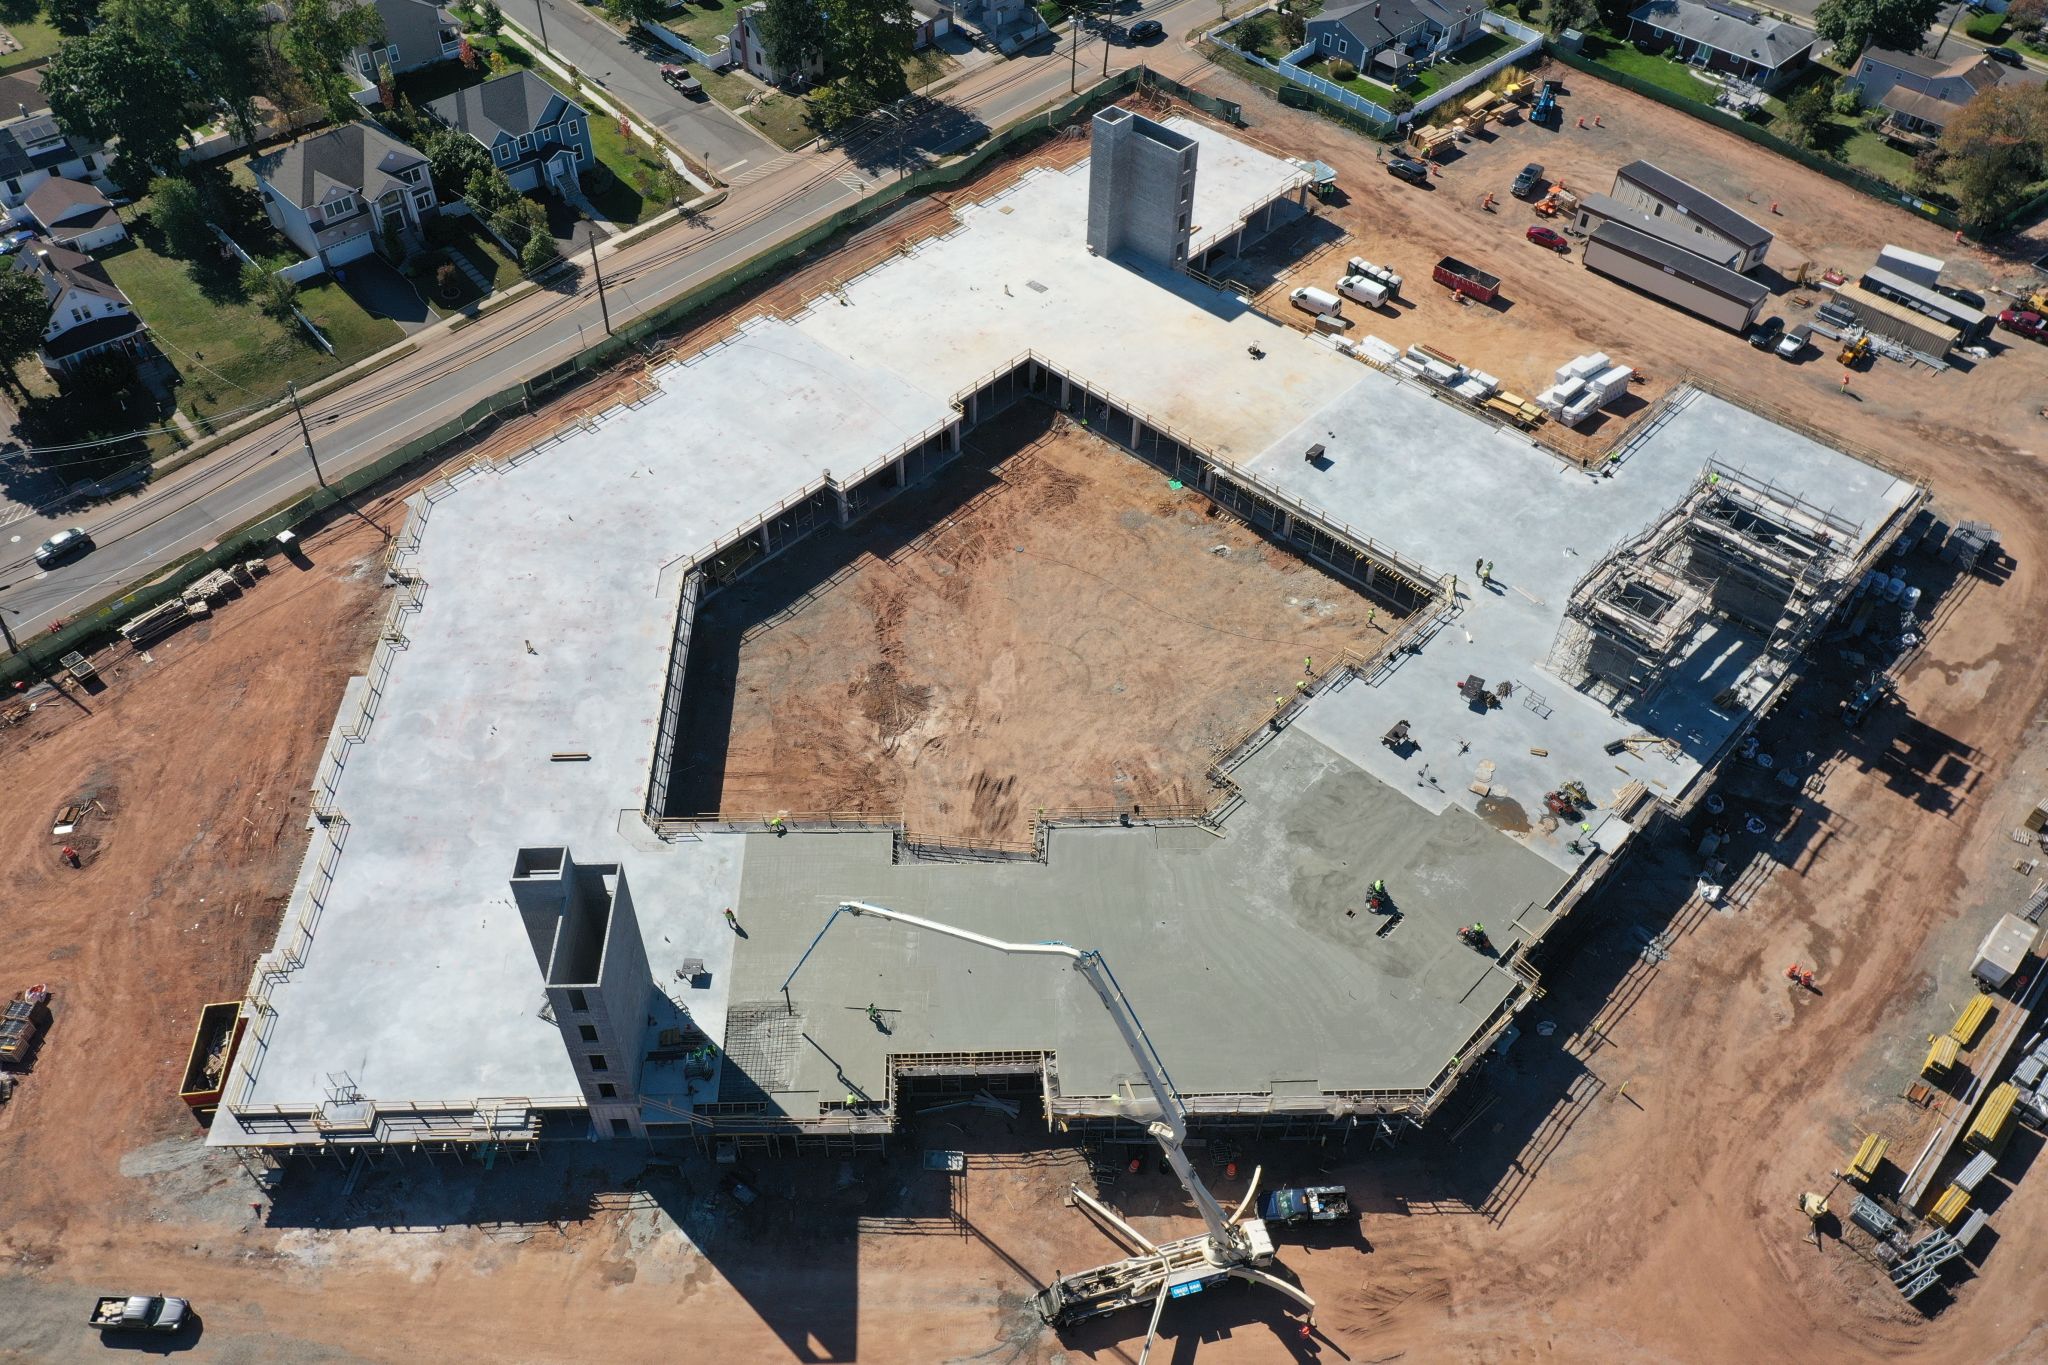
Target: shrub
column 1848, row 100
column 1398, row 103
column 448, row 281
column 1341, row 72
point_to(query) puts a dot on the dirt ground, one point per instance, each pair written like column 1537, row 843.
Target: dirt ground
column 1622, row 1189
column 1048, row 626
column 1552, row 308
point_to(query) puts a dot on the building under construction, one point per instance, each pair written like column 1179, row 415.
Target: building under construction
column 501, row 934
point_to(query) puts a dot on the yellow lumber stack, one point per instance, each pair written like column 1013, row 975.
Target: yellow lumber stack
column 1971, row 1019
column 1863, row 1165
column 1951, row 1206
column 1941, row 1056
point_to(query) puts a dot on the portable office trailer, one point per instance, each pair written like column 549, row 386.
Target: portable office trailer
column 1674, row 276
column 2003, row 950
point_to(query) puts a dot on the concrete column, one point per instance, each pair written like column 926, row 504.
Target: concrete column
column 1136, row 427
column 1208, row 478
column 1066, row 391
column 903, row 462
column 955, row 434
column 767, row 540
column 973, row 408
column 1275, row 204
column 841, row 511
column 1285, row 528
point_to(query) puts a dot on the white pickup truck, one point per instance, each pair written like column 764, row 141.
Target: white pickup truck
column 141, row 1313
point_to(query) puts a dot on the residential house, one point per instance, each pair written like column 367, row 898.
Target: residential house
column 334, row 192
column 1006, row 25
column 1385, row 38
column 88, row 312
column 33, row 148
column 1921, row 94
column 76, row 215
column 1690, row 217
column 1723, row 37
column 536, row 135
column 745, row 44
column 417, row 33
column 930, row 21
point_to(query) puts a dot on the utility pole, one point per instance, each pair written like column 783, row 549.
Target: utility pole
column 540, row 7
column 1954, row 10
column 1074, row 79
column 602, row 306
column 305, row 431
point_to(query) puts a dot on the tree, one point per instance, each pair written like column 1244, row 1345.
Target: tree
column 2027, row 16
column 490, row 19
column 320, row 40
column 275, row 294
column 1852, row 25
column 635, row 11
column 24, row 313
column 1578, row 14
column 793, row 34
column 454, row 157
column 539, row 253
column 105, row 85
column 1995, row 148
column 71, row 17
column 870, row 42
column 177, row 211
column 1807, row 110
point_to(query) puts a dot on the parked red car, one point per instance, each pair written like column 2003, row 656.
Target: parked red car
column 1550, row 237
column 2030, row 325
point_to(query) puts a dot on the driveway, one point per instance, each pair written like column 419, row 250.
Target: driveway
column 384, row 293
column 604, row 57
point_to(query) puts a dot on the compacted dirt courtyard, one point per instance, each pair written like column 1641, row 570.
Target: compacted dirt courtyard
column 1047, row 626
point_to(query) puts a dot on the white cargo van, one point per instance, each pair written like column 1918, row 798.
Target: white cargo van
column 1369, row 292
column 1318, row 301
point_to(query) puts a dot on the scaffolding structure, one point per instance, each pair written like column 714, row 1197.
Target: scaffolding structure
column 1736, row 548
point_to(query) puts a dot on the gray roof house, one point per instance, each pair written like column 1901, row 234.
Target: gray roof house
column 88, row 312
column 74, row 214
column 1723, row 37
column 332, row 193
column 1384, row 37
column 1922, row 94
column 33, row 147
column 536, row 135
column 417, row 33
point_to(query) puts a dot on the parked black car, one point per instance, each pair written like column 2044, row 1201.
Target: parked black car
column 1526, row 183
column 1764, row 336
column 1414, row 172
column 1145, row 31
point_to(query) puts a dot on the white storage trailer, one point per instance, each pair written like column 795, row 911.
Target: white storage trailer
column 2003, row 950
column 1674, row 276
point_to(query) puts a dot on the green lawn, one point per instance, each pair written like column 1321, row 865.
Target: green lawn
column 704, row 25
column 1868, row 152
column 228, row 354
column 784, row 118
column 1465, row 61
column 38, row 40
column 467, row 236
column 1659, row 71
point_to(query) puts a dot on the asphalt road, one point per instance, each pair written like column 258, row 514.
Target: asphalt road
column 582, row 38
column 191, row 508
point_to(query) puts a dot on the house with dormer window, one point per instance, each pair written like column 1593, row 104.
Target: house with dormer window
column 536, row 135
column 334, row 193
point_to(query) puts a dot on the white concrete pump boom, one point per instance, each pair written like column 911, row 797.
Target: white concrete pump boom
column 1234, row 1245
column 1171, row 1128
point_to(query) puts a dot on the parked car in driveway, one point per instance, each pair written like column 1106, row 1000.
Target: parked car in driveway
column 1548, row 237
column 66, row 544
column 2030, row 325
